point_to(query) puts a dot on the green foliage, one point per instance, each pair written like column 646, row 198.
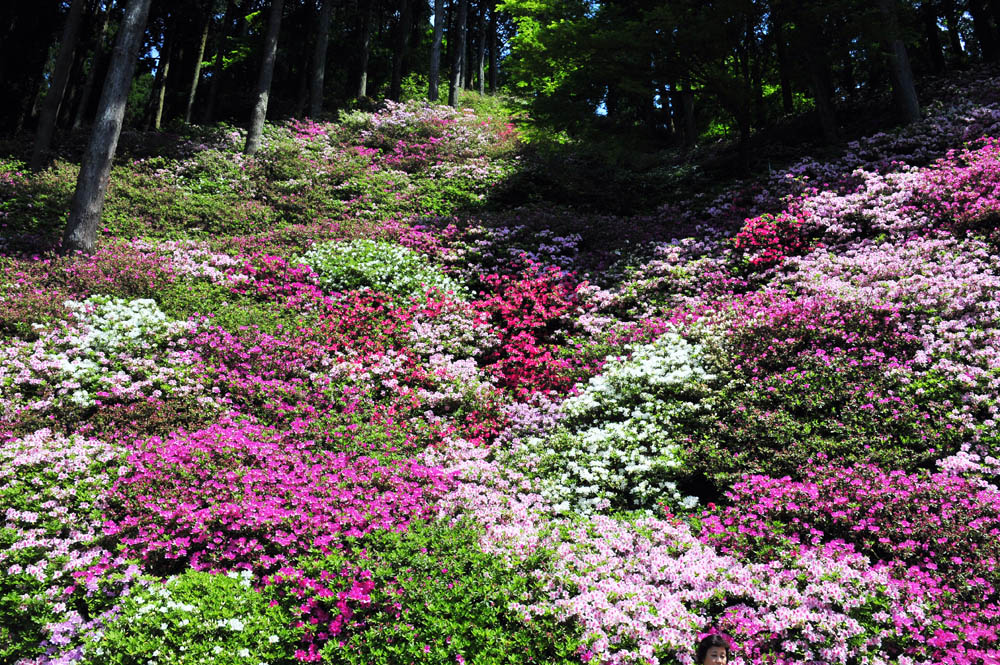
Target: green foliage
column 195, row 618
column 224, row 307
column 439, row 599
column 851, row 414
column 380, row 266
column 35, row 206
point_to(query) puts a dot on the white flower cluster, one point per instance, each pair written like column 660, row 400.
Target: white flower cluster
column 620, row 445
column 380, row 266
column 113, row 325
column 107, row 329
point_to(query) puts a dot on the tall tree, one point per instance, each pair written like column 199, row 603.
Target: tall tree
column 481, row 49
column 222, row 43
column 400, row 47
column 899, row 64
column 435, row 72
column 162, row 75
column 456, row 65
column 96, row 58
column 319, row 59
column 57, row 86
column 366, row 8
column 95, row 168
column 196, row 74
column 264, row 80
column 494, row 56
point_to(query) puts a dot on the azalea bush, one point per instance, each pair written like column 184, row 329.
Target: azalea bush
column 622, row 444
column 379, row 266
column 194, row 617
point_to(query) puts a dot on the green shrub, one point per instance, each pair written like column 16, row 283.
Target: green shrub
column 195, row 618
column 438, row 598
column 381, row 266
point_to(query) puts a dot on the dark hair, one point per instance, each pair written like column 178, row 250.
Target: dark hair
column 710, row 641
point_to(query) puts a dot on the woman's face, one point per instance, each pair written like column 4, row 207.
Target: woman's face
column 715, row 656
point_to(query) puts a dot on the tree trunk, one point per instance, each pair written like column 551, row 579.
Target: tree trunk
column 196, row 76
column 319, row 59
column 217, row 69
column 456, row 65
column 951, row 15
column 95, row 62
column 493, row 47
column 264, row 81
column 366, row 41
column 467, row 61
column 435, row 73
column 983, row 30
column 481, row 50
column 161, row 91
column 899, row 65
column 399, row 51
column 690, row 131
column 50, row 107
column 92, row 181
column 819, row 80
column 932, row 37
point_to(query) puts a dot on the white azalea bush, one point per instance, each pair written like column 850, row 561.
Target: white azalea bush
column 196, row 617
column 620, row 445
column 111, row 349
column 376, row 265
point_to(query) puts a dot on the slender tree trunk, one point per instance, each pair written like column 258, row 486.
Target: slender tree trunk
column 456, row 66
column 319, row 59
column 402, row 44
column 222, row 40
column 784, row 77
column 366, row 39
column 481, row 53
column 467, row 61
column 899, row 65
column 435, row 73
column 264, row 81
column 92, row 181
column 95, row 62
column 951, row 15
column 932, row 37
column 196, row 75
column 161, row 91
column 819, row 79
column 687, row 113
column 50, row 107
column 494, row 58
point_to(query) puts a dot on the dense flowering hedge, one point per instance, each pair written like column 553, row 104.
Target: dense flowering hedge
column 336, row 403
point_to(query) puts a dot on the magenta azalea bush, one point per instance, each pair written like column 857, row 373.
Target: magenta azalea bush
column 340, row 403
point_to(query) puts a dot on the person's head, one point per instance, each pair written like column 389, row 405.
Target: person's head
column 713, row 650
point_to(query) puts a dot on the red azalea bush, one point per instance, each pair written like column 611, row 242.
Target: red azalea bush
column 766, row 241
column 533, row 311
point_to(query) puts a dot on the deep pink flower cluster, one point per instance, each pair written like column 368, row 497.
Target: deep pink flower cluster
column 237, row 495
column 766, row 240
column 938, row 535
column 528, row 310
column 324, row 613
